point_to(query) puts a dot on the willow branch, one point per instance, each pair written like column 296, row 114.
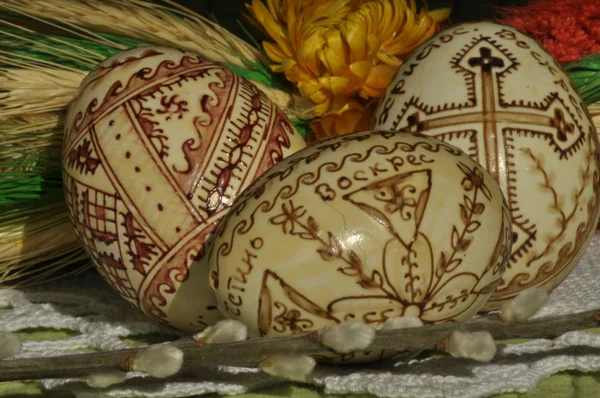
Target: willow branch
column 249, row 353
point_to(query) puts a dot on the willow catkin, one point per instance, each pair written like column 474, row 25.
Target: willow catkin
column 225, row 331
column 105, row 379
column 290, row 367
column 479, row 346
column 525, row 305
column 347, row 336
column 401, row 322
column 160, row 361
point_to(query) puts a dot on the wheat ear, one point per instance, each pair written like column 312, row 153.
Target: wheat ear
column 160, row 24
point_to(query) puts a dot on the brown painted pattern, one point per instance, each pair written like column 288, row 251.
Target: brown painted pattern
column 153, row 159
column 555, row 120
column 401, row 201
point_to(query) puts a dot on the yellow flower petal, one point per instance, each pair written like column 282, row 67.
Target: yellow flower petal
column 273, row 51
column 347, row 122
column 339, row 85
column 340, row 103
column 362, row 70
column 410, row 39
column 327, row 125
column 378, row 80
column 262, row 15
column 322, row 108
column 440, row 15
column 355, row 35
column 351, row 104
column 350, row 117
column 317, row 93
column 307, row 53
column 332, row 61
column 374, row 44
column 389, row 60
column 381, row 76
column 274, row 7
column 295, row 72
column 333, row 54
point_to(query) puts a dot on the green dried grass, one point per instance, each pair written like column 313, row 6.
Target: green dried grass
column 585, row 74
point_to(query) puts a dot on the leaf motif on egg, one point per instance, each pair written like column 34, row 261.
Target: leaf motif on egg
column 398, row 203
column 364, row 227
column 498, row 96
column 158, row 144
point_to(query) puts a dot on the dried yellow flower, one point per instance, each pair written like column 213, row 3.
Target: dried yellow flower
column 350, row 118
column 342, row 53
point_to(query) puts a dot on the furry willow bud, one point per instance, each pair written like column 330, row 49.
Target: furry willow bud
column 479, row 346
column 402, row 322
column 159, row 361
column 525, row 305
column 104, row 379
column 225, row 331
column 347, row 337
column 291, row 367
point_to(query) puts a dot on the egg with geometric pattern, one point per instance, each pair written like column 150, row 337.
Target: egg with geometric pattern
column 499, row 96
column 158, row 144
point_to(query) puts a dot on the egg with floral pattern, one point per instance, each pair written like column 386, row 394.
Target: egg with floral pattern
column 366, row 226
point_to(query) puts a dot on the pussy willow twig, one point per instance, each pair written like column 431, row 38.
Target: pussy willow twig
column 249, row 353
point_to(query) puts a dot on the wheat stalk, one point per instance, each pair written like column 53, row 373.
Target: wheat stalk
column 168, row 25
column 33, row 251
column 146, row 23
column 36, row 90
column 30, row 123
column 29, row 154
column 36, row 237
column 24, row 132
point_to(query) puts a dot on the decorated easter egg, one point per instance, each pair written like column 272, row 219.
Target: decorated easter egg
column 364, row 227
column 158, row 144
column 497, row 95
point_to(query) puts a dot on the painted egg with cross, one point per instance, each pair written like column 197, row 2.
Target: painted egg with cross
column 158, row 144
column 496, row 94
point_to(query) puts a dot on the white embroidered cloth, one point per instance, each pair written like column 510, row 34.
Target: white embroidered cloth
column 99, row 319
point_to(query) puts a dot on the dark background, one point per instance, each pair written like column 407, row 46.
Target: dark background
column 227, row 12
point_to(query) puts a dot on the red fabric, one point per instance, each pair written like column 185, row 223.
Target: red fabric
column 568, row 29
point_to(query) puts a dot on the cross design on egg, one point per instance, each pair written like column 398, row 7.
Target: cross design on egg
column 493, row 112
column 490, row 122
column 486, row 61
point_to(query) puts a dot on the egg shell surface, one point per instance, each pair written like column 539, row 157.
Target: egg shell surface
column 500, row 97
column 158, row 144
column 366, row 227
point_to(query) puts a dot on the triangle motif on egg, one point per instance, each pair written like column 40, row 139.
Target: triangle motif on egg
column 401, row 202
column 293, row 312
